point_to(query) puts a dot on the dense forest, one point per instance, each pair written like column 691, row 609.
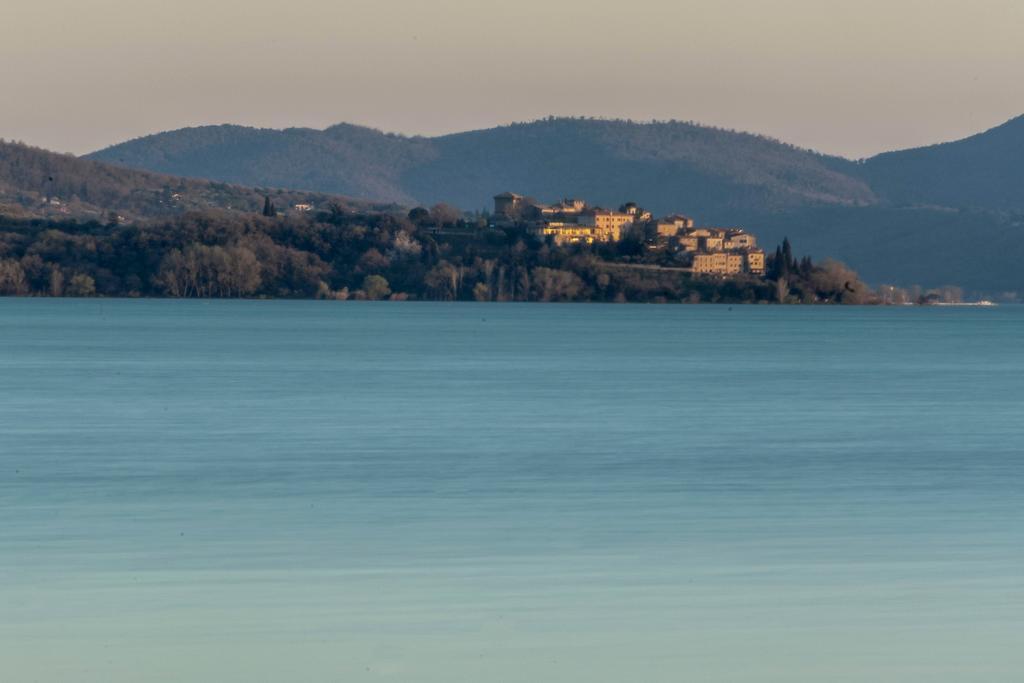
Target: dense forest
column 431, row 254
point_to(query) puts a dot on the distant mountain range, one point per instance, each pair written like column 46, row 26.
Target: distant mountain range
column 666, row 166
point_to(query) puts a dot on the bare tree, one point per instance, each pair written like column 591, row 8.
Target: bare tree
column 12, row 278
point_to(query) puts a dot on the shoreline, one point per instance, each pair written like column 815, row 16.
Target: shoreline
column 985, row 303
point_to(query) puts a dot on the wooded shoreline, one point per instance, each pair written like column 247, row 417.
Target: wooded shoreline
column 342, row 254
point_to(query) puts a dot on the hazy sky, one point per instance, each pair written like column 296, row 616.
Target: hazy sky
column 853, row 77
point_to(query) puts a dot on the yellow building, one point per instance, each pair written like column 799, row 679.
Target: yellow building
column 729, row 262
column 702, row 239
column 739, row 239
column 690, row 244
column 680, row 221
column 638, row 214
column 712, row 243
column 715, row 239
column 718, row 263
column 670, row 226
column 665, row 229
column 755, row 262
column 566, row 207
column 569, row 233
column 609, row 224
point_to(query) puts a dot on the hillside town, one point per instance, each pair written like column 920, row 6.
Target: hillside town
column 702, row 250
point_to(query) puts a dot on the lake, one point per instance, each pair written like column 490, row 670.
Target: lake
column 338, row 491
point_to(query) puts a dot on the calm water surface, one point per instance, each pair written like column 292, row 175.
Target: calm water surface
column 321, row 491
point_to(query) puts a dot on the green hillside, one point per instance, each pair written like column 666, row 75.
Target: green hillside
column 665, row 166
column 982, row 171
column 38, row 183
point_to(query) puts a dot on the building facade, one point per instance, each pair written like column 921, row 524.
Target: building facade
column 609, row 225
column 717, row 263
column 568, row 233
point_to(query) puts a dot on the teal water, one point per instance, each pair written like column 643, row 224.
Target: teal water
column 323, row 491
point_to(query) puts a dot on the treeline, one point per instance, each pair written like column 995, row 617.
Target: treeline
column 340, row 254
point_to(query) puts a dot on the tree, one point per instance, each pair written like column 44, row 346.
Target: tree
column 205, row 271
column 268, row 207
column 787, row 255
column 776, row 266
column 56, row 281
column 81, row 285
column 372, row 260
column 521, row 290
column 419, row 216
column 443, row 279
column 238, row 272
column 550, row 284
column 781, row 289
column 806, row 267
column 12, row 278
column 445, row 214
column 376, row 287
column 173, row 275
column 836, row 282
column 404, row 246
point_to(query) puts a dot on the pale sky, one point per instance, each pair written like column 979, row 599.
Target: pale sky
column 853, row 78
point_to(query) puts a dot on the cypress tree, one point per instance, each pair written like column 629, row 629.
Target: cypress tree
column 778, row 264
column 268, row 207
column 806, row 266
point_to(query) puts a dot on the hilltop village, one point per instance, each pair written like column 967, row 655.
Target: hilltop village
column 524, row 251
column 702, row 250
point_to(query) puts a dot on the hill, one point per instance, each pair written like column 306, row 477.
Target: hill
column 667, row 166
column 35, row 183
column 664, row 166
column 979, row 251
column 982, row 171
column 346, row 160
